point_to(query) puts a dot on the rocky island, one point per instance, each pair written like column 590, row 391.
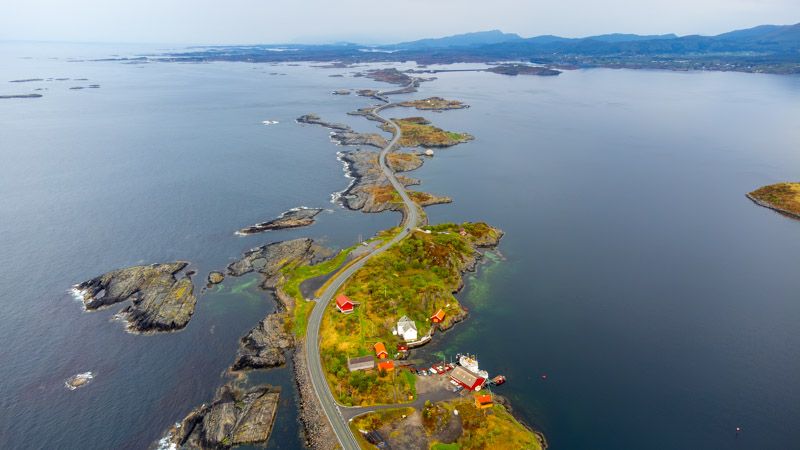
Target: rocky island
column 418, row 131
column 264, row 346
column 20, row 96
column 434, row 104
column 235, row 417
column 523, row 69
column 294, row 218
column 781, row 197
column 390, row 75
column 159, row 300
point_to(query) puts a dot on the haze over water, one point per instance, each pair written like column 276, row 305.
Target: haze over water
column 660, row 302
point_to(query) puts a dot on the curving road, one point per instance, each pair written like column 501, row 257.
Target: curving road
column 317, row 374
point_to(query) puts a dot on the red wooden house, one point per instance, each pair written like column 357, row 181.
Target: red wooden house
column 344, row 304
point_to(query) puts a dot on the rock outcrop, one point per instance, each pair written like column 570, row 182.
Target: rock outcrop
column 343, row 134
column 269, row 259
column 264, row 345
column 294, row 218
column 234, row 417
column 215, row 277
column 159, row 300
column 314, row 119
column 79, row 380
column 354, row 138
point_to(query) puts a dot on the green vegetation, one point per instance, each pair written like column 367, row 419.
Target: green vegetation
column 440, row 446
column 418, row 131
column 295, row 275
column 781, row 196
column 415, row 278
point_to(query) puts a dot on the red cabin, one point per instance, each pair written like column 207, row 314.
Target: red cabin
column 344, row 304
column 380, row 350
column 438, row 317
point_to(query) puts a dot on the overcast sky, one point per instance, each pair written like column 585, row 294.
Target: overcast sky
column 376, row 21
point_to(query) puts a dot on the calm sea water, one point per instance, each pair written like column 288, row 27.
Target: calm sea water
column 661, row 304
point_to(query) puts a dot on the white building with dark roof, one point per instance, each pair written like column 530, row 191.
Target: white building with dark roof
column 406, row 329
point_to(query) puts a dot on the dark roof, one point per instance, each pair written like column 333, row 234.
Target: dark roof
column 360, row 359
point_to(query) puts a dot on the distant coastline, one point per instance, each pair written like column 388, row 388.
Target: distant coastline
column 763, row 49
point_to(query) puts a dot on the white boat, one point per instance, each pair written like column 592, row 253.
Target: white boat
column 471, row 363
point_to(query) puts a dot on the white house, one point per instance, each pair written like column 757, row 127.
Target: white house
column 407, row 329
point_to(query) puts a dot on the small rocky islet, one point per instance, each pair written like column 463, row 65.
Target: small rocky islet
column 78, row 380
column 160, row 300
column 6, row 97
column 294, row 218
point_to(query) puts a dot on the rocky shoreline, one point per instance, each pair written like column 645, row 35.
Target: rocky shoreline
column 294, row 218
column 159, row 300
column 782, row 197
column 344, row 135
column 778, row 209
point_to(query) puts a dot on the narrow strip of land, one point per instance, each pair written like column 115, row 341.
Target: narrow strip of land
column 317, row 375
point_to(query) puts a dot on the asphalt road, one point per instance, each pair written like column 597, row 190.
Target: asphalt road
column 321, row 388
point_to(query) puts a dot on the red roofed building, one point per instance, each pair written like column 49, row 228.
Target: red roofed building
column 438, row 317
column 386, row 366
column 380, row 351
column 466, row 378
column 344, row 304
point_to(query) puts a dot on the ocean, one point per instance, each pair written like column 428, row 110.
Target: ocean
column 639, row 299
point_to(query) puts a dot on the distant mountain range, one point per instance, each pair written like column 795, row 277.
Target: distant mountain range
column 498, row 37
column 765, row 48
